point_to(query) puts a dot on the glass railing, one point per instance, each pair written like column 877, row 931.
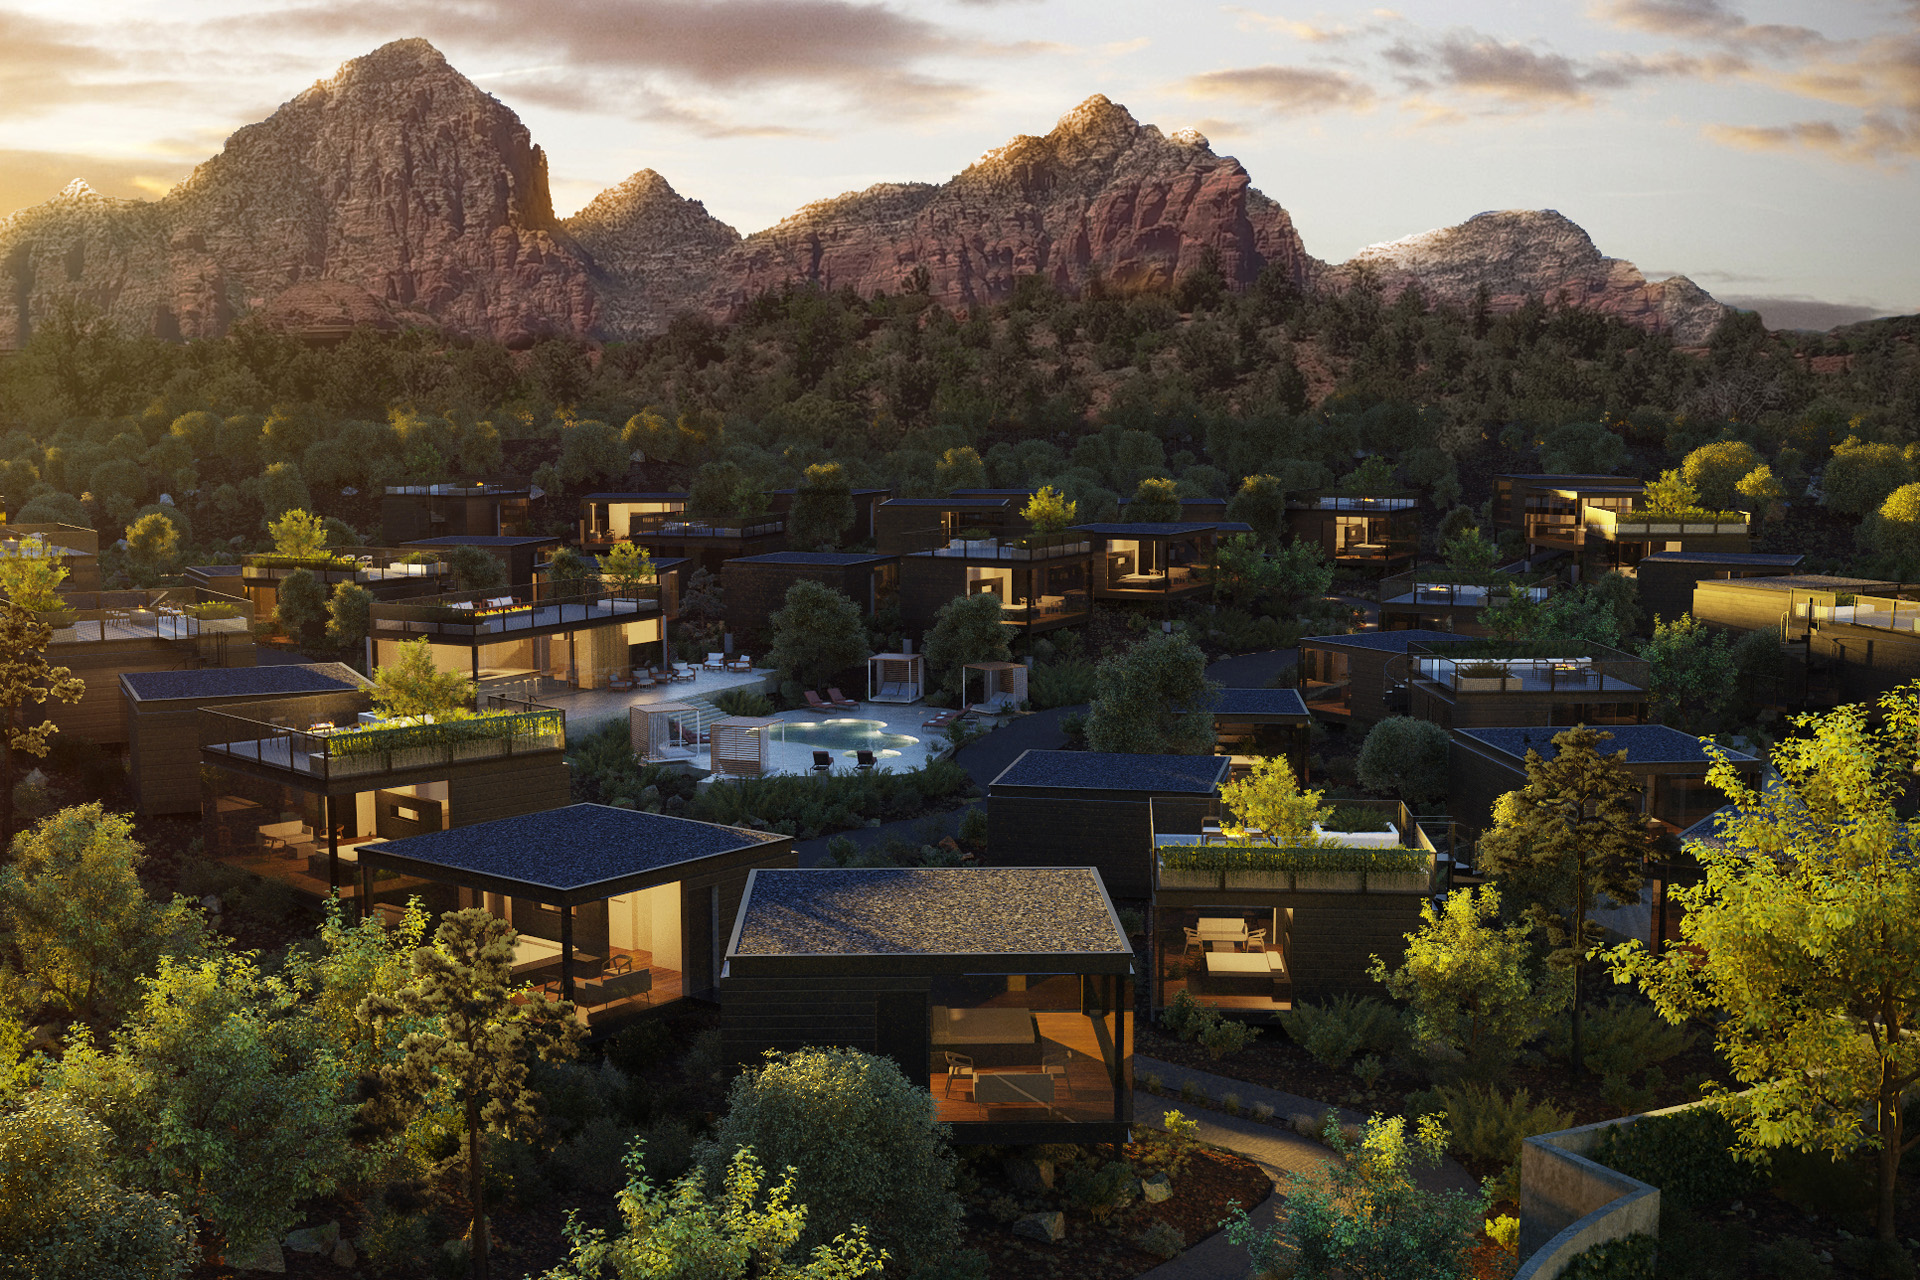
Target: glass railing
column 1568, row 671
column 471, row 615
column 1615, row 525
column 321, row 750
column 1026, row 613
column 1377, row 846
column 1362, row 502
column 344, row 564
column 671, row 525
column 168, row 613
column 459, row 490
column 1177, row 578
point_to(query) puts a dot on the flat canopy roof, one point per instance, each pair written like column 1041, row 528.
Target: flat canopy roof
column 582, row 851
column 479, row 540
column 634, row 497
column 821, row 559
column 1114, row 771
column 1756, row 558
column 1807, row 582
column 932, row 911
column 1147, row 528
column 1276, row 703
column 1643, row 743
column 1388, row 641
column 243, row 682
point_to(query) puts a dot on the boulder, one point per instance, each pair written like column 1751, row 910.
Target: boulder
column 1048, row 1228
column 1028, row 1175
column 1157, row 1188
column 314, row 1239
column 343, row 1255
column 262, row 1255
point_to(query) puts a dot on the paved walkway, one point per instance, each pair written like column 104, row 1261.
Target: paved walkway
column 1275, row 1148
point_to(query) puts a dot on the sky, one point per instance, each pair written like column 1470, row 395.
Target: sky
column 1771, row 151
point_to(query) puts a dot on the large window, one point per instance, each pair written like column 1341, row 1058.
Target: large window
column 1233, row 957
column 1041, row 1047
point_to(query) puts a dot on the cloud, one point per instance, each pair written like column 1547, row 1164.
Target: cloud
column 1285, row 90
column 1521, row 74
column 34, row 177
column 1707, row 20
column 1311, row 32
column 1798, row 311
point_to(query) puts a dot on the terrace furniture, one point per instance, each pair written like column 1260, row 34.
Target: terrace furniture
column 1257, row 940
column 643, row 678
column 1194, row 941
column 1260, row 969
column 959, row 1067
column 278, row 835
column 814, row 703
column 675, row 673
column 715, row 662
column 863, row 760
column 1013, row 1088
column 1218, row 929
column 942, row 719
column 620, row 986
column 822, row 762
column 741, row 663
column 990, row 1035
column 841, row 700
column 620, row 684
column 620, row 964
column 1054, row 1063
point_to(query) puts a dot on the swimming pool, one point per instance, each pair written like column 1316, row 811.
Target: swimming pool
column 847, row 736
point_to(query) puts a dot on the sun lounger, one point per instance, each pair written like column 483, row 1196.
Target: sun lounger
column 941, row 720
column 822, row 762
column 863, row 760
column 841, row 700
column 815, row 704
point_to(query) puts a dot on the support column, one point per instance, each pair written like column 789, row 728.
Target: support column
column 566, row 952
column 333, row 844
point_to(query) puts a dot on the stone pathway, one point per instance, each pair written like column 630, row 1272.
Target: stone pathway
column 1274, row 1147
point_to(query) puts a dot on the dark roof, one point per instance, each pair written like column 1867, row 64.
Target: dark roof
column 1388, row 641
column 477, row 540
column 1261, row 702
column 856, row 491
column 1114, row 771
column 243, row 682
column 216, row 570
column 1724, row 557
column 1643, row 743
column 1809, row 582
column 1147, row 528
column 1004, row 493
column 634, row 497
column 823, row 559
column 1563, row 475
column 956, row 501
column 573, row 847
column 928, row 911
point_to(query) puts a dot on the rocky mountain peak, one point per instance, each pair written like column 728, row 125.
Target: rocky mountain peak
column 78, row 190
column 396, row 60
column 1099, row 117
column 655, row 250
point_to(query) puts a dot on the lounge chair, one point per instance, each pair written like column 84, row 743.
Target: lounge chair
column 841, row 700
column 941, row 719
column 863, row 760
column 715, row 662
column 676, row 674
column 822, row 762
column 619, row 684
column 815, row 704
column 741, row 663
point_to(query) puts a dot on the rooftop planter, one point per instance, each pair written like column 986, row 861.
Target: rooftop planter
column 381, row 747
column 1391, row 869
column 1691, row 520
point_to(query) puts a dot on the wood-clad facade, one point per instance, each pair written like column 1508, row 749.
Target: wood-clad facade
column 1360, row 679
column 412, row 512
column 755, row 587
column 109, row 634
column 1667, row 579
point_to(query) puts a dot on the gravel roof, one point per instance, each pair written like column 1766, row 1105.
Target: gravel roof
column 1724, row 557
column 822, row 559
column 244, row 682
column 928, row 911
column 1114, row 771
column 634, row 497
column 1389, row 641
column 1261, row 702
column 1147, row 528
column 477, row 540
column 1643, row 743
column 572, row 847
column 945, row 502
column 1806, row 582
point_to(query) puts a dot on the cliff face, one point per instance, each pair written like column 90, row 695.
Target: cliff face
column 656, row 250
column 1518, row 253
column 1101, row 193
column 397, row 178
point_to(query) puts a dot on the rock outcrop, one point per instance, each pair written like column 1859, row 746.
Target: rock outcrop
column 1535, row 253
column 657, row 250
column 1102, row 194
column 397, row 176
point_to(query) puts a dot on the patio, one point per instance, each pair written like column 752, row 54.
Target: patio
column 588, row 709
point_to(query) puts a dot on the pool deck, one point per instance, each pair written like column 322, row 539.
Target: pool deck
column 797, row 757
column 588, row 709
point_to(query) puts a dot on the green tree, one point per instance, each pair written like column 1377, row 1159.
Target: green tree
column 1761, row 492
column 1469, row 553
column 297, row 532
column 353, row 963
column 1894, row 529
column 1154, row 698
column 1472, row 984
column 62, row 1214
column 1407, row 757
column 817, row 634
column 1691, row 676
column 626, row 568
column 218, row 1092
column 476, row 569
column 822, row 512
column 411, row 685
column 1365, row 1216
column 1671, row 494
column 967, row 629
column 152, row 543
column 1565, row 843
column 1050, row 511
column 1582, row 448
column 479, row 1030
column 85, row 930
column 863, row 1146
column 283, row 488
column 725, row 489
column 1860, row 476
column 1156, row 500
column 349, row 615
column 1270, row 800
column 1804, row 939
column 1261, row 503
column 570, row 575
column 591, row 451
column 32, row 576
column 1373, row 475
column 27, row 680
column 1254, row 577
column 750, row 1230
column 1716, row 470
column 960, row 469
column 300, row 605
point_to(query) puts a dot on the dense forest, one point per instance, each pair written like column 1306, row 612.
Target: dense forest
column 1205, row 386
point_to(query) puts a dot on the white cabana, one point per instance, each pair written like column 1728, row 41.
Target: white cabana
column 741, row 746
column 896, row 677
column 664, row 730
column 1003, row 686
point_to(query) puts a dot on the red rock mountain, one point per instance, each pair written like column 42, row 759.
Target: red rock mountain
column 398, row 192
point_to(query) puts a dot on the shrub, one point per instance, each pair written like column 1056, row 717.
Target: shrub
column 1065, row 682
column 1098, row 1192
column 1223, row 1036
column 1333, row 1032
column 1489, row 1128
column 973, row 827
column 1406, row 757
column 1631, row 1258
column 815, row 805
column 1161, row 1239
column 1193, row 1021
column 1132, row 921
column 741, row 701
column 1369, row 1070
column 1687, row 1154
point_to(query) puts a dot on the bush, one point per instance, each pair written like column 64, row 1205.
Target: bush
column 1064, row 682
column 740, row 701
column 1406, row 757
column 1333, row 1032
column 1631, row 1258
column 1161, row 1239
column 641, row 1047
column 811, row 806
column 973, row 827
column 393, row 1242
column 1098, row 1192
column 1192, row 1021
column 1489, row 1128
column 1687, row 1154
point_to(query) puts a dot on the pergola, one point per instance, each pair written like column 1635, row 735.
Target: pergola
column 740, row 745
column 664, row 731
column 896, row 677
column 1003, row 686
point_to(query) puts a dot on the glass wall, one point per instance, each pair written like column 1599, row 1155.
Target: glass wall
column 1031, row 1047
column 280, row 832
column 1233, row 957
column 627, row 950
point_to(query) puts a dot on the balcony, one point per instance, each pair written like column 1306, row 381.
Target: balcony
column 459, row 490
column 1394, row 854
column 1360, row 502
column 675, row 525
column 1440, row 588
column 1046, row 609
column 1013, row 547
column 325, row 752
column 347, row 564
column 1518, row 667
column 170, row 613
column 1640, row 526
column 479, row 617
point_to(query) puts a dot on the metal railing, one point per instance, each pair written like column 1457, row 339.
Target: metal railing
column 1615, row 525
column 1400, row 860
column 675, row 525
column 481, row 615
column 1359, row 501
column 1493, row 666
column 345, row 564
column 167, row 613
column 321, row 752
column 1437, row 585
column 459, row 490
column 1013, row 546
